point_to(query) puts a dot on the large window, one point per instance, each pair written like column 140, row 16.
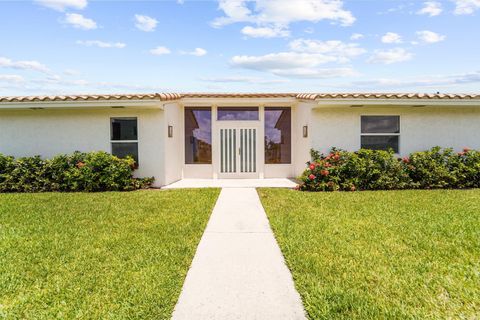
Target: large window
column 278, row 140
column 124, row 137
column 237, row 113
column 380, row 132
column 198, row 135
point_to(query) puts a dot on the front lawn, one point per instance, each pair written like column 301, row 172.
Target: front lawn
column 98, row 255
column 381, row 255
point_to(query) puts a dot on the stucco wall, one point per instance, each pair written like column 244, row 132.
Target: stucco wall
column 420, row 128
column 50, row 132
column 174, row 144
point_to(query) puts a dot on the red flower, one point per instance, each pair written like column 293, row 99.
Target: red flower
column 406, row 160
column 312, row 166
column 324, row 172
column 80, row 164
column 311, row 177
column 466, row 149
column 328, row 164
column 336, row 157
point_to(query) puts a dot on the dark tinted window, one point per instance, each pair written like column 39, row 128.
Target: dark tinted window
column 237, row 113
column 124, row 129
column 278, row 139
column 198, row 135
column 380, row 124
column 123, row 149
column 380, row 142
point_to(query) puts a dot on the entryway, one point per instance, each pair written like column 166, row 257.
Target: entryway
column 238, row 151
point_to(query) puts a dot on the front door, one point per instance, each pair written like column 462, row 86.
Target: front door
column 238, row 152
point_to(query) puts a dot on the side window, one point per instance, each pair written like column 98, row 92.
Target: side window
column 124, row 137
column 198, row 135
column 278, row 140
column 380, row 132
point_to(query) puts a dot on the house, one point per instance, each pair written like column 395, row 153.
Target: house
column 234, row 135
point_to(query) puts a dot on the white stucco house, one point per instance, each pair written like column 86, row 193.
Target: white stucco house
column 230, row 135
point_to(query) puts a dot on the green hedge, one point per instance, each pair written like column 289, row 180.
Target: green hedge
column 94, row 171
column 381, row 170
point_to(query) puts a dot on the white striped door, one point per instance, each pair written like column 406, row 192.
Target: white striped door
column 238, row 151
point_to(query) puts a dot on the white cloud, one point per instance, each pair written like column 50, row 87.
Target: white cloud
column 390, row 56
column 430, row 36
column 425, row 81
column 101, row 44
column 198, row 52
column 431, row 8
column 80, row 22
column 61, row 5
column 265, row 32
column 71, row 72
column 240, row 79
column 356, row 36
column 304, row 59
column 309, row 30
column 391, row 37
column 23, row 65
column 466, row 6
column 160, row 51
column 145, row 23
column 278, row 14
column 342, row 51
column 11, row 78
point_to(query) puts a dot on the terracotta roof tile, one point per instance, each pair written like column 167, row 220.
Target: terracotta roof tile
column 301, row 96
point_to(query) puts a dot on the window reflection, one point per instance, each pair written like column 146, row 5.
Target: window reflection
column 198, row 135
column 237, row 113
column 278, row 141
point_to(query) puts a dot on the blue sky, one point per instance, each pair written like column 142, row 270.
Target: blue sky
column 82, row 46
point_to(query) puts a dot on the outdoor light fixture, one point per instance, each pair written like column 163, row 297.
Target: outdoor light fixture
column 170, row 131
column 305, row 131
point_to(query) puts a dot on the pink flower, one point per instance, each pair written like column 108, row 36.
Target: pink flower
column 311, row 177
column 461, row 154
column 466, row 149
column 324, row 172
column 406, row 160
column 312, row 166
column 328, row 164
column 80, row 165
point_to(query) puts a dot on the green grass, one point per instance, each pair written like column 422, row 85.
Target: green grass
column 381, row 255
column 98, row 255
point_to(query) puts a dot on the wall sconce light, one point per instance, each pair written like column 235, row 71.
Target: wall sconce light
column 170, row 131
column 305, row 131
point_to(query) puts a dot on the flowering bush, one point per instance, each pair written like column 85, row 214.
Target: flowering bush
column 94, row 171
column 381, row 170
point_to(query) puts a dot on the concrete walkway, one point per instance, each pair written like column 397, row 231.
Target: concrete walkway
column 232, row 183
column 238, row 271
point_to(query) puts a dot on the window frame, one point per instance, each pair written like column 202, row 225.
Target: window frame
column 277, row 108
column 184, row 134
column 397, row 134
column 219, row 108
column 125, row 141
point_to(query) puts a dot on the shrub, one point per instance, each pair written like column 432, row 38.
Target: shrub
column 381, row 170
column 94, row 171
column 350, row 171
